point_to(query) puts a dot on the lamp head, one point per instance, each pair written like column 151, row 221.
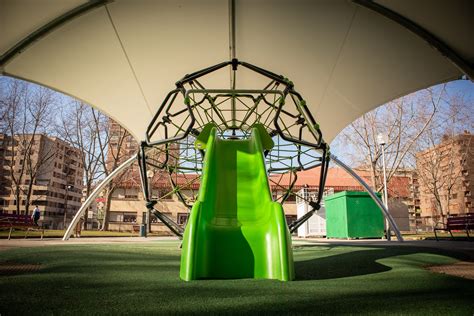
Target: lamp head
column 150, row 173
column 381, row 139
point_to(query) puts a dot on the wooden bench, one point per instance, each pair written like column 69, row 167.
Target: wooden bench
column 463, row 222
column 18, row 221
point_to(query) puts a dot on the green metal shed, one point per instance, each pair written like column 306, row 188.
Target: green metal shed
column 351, row 214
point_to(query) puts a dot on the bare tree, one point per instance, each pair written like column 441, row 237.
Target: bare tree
column 443, row 150
column 79, row 127
column 27, row 113
column 112, row 154
column 103, row 150
column 404, row 120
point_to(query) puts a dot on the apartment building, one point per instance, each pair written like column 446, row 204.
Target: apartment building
column 53, row 176
column 414, row 205
column 446, row 179
column 121, row 143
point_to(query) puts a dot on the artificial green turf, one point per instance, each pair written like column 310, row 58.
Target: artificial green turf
column 60, row 233
column 144, row 278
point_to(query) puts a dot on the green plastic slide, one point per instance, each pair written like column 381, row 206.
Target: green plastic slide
column 235, row 230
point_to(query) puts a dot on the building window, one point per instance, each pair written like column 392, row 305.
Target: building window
column 130, row 217
column 42, row 182
column 290, row 219
column 163, row 194
column 155, row 220
column 274, row 195
column 132, row 196
column 291, row 198
column 40, row 192
column 116, row 217
column 182, row 218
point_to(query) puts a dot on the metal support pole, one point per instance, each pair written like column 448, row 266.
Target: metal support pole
column 372, row 194
column 147, row 221
column 385, row 193
column 232, row 29
column 65, row 207
column 232, row 54
column 94, row 194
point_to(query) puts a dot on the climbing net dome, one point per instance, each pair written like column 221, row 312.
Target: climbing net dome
column 204, row 100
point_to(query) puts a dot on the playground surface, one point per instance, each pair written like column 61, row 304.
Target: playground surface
column 136, row 275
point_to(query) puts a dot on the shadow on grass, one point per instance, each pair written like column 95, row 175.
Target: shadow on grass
column 342, row 265
column 359, row 262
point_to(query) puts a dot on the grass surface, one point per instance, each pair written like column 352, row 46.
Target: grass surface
column 60, row 233
column 143, row 279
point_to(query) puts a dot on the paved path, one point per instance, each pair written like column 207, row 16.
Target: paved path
column 35, row 242
column 461, row 269
column 462, row 246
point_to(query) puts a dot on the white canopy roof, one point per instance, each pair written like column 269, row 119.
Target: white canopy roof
column 345, row 57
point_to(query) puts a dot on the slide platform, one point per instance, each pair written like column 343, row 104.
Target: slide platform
column 235, row 230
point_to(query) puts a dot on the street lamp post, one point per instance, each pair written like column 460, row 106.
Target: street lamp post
column 150, row 174
column 382, row 141
column 67, row 187
column 146, row 223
